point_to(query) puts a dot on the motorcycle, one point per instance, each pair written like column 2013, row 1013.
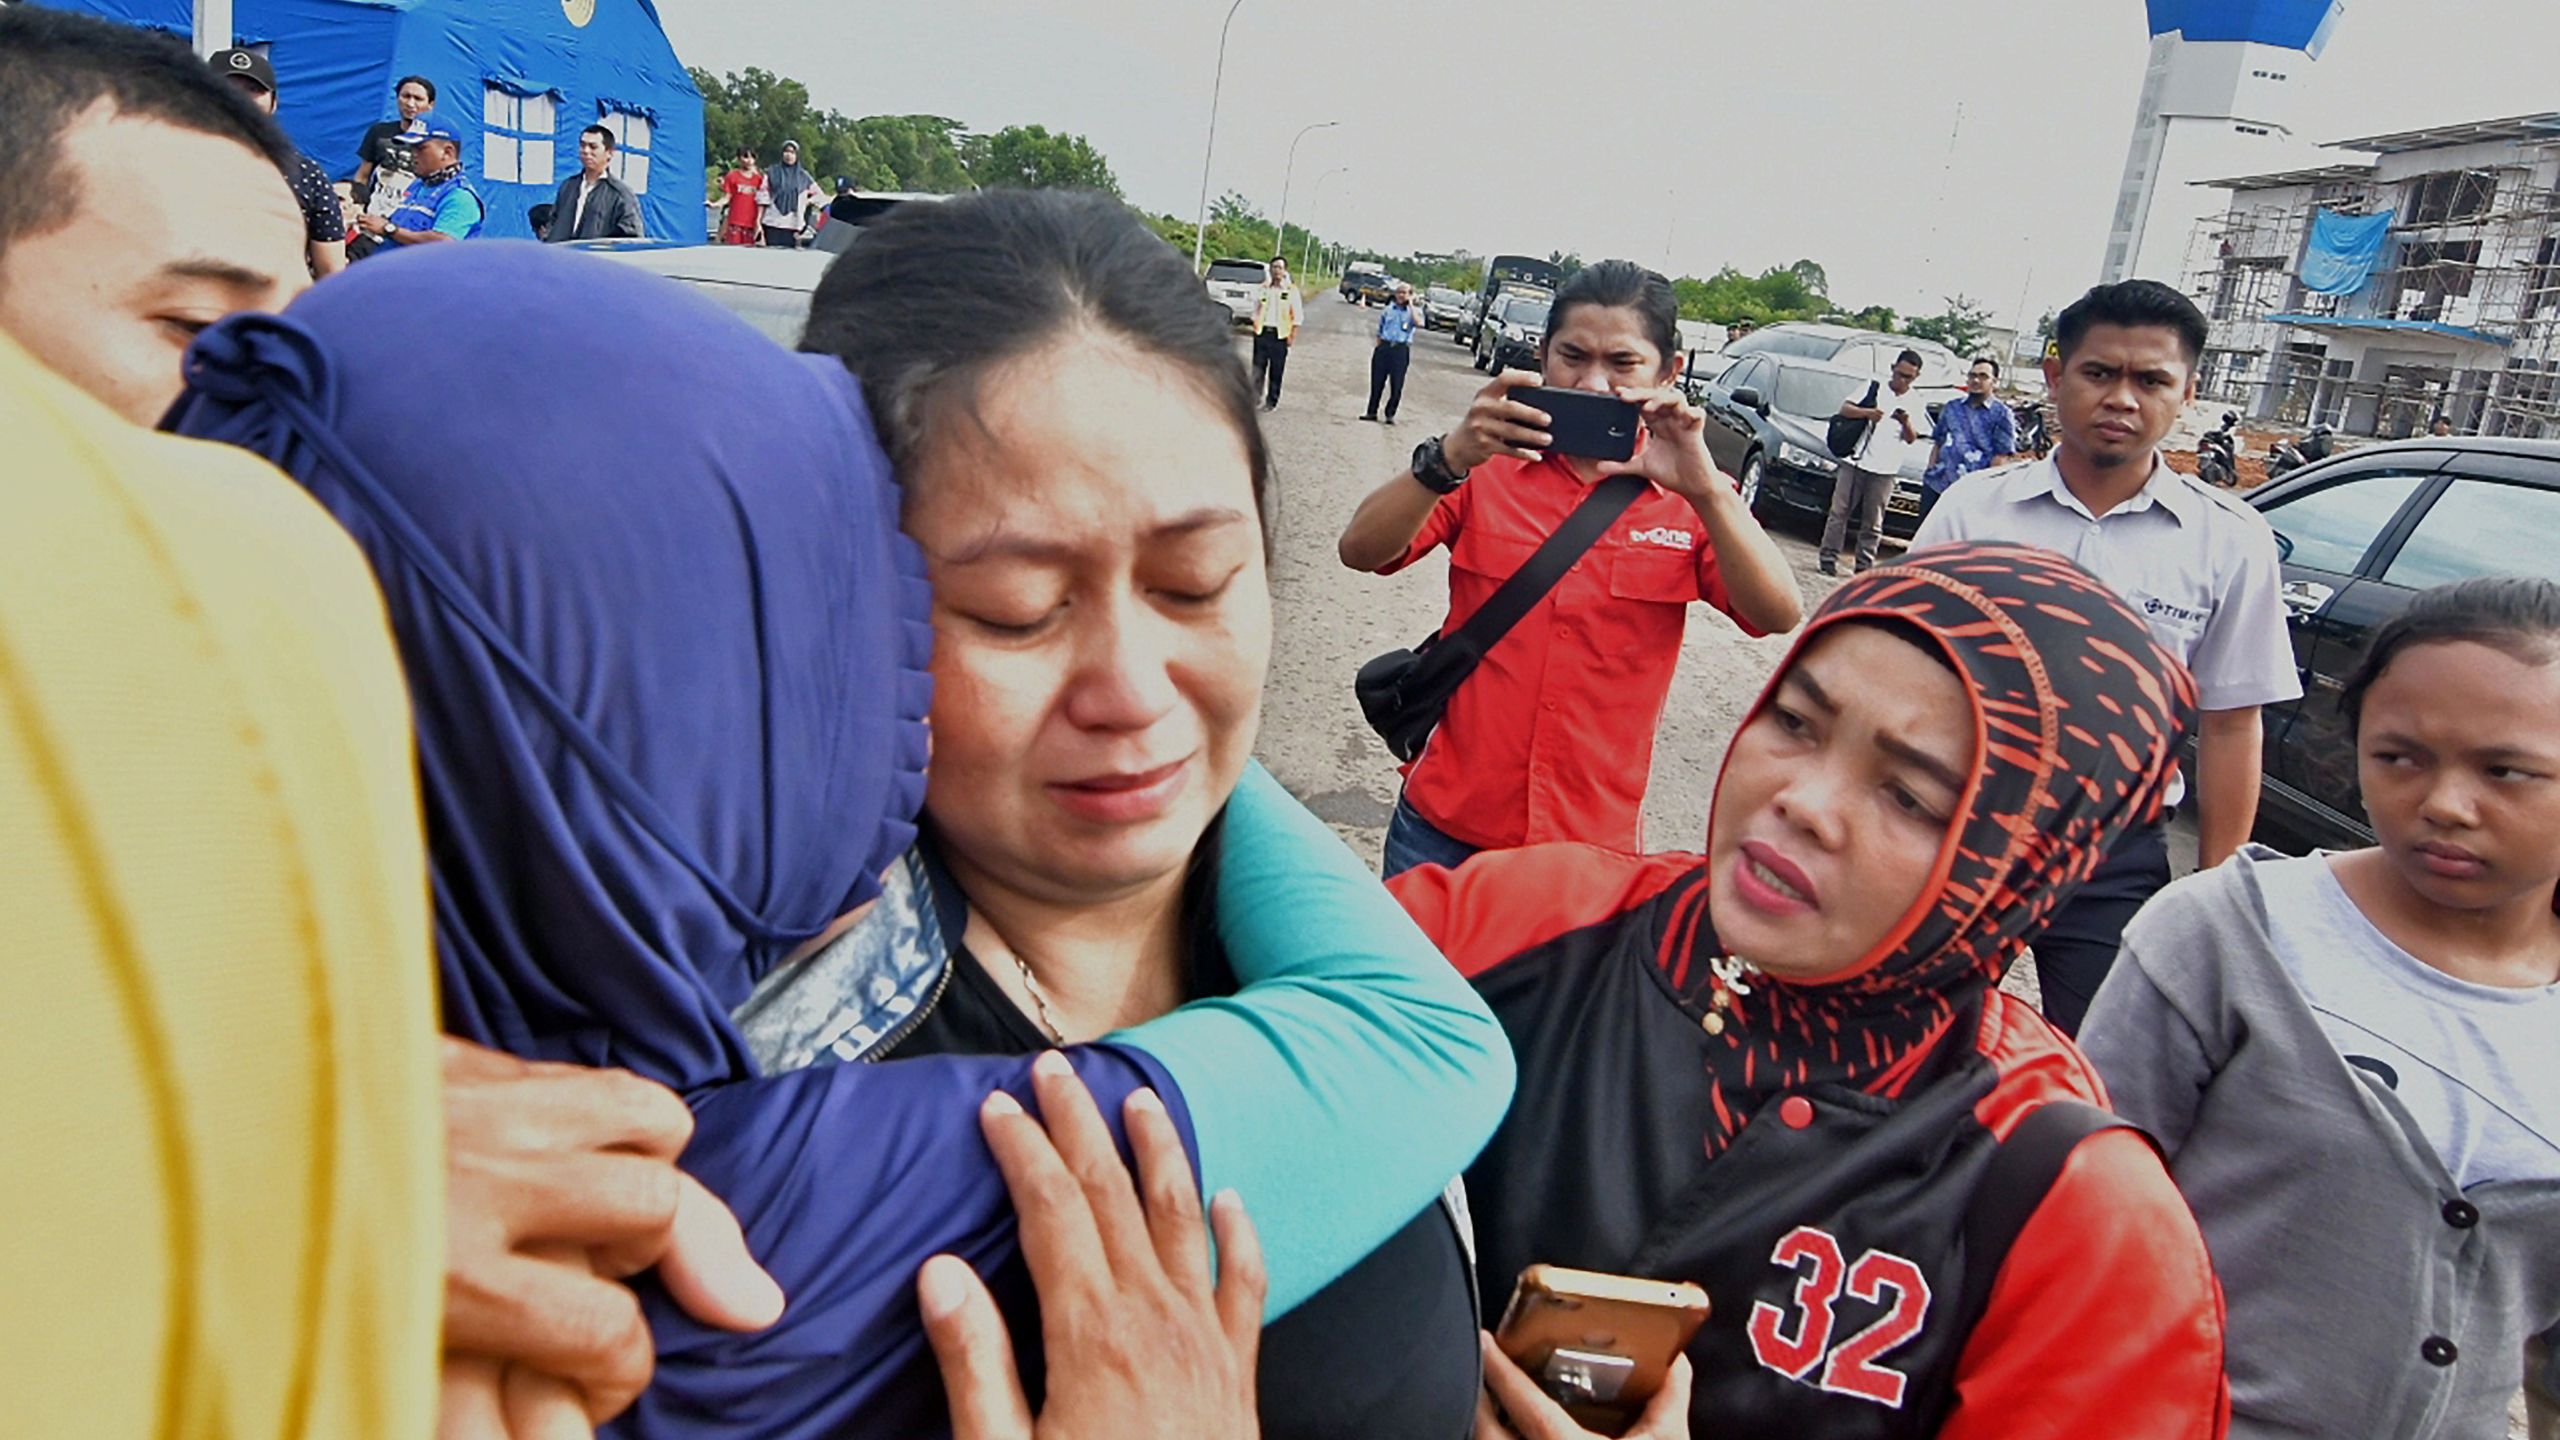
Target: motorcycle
column 2032, row 439
column 2218, row 454
column 2284, row 458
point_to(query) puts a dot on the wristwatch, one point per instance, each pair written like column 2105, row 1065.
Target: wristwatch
column 1431, row 467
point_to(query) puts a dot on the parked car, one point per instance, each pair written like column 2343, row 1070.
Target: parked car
column 1441, row 307
column 1511, row 334
column 1234, row 283
column 2358, row 535
column 1358, row 276
column 849, row 214
column 1376, row 288
column 1766, row 420
column 769, row 289
column 1869, row 352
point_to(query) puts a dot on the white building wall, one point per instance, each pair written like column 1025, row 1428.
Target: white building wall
column 2208, row 110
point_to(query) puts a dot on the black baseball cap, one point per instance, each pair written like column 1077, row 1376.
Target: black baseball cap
column 248, row 65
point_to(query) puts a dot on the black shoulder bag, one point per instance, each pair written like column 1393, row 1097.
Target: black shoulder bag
column 1404, row 692
column 1845, row 434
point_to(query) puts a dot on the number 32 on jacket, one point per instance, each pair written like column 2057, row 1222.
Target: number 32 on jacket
column 1796, row 1344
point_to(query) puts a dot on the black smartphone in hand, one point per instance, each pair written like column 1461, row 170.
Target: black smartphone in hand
column 1584, row 422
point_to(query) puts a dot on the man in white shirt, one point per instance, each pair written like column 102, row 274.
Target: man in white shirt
column 1276, row 318
column 1898, row 426
column 2199, row 564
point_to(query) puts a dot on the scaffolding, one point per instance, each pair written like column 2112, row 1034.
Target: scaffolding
column 2474, row 256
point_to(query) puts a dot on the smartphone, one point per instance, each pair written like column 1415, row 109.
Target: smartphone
column 1583, row 422
column 1600, row 1344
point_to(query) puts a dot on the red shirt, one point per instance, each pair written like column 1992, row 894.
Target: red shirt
column 1552, row 737
column 743, row 191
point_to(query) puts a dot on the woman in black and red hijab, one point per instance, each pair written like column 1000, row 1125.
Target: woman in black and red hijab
column 1783, row 1069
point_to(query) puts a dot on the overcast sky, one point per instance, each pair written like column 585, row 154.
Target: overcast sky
column 1686, row 133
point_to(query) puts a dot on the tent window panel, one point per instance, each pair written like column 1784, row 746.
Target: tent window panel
column 516, row 143
column 631, row 147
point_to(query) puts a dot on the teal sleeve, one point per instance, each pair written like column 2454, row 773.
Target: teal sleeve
column 1355, row 1073
column 455, row 217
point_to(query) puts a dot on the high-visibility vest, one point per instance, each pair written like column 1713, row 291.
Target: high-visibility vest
column 1276, row 306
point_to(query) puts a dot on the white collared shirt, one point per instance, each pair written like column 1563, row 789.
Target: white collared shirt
column 1884, row 452
column 2199, row 566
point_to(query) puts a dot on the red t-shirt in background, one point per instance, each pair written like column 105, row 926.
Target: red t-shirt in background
column 745, row 192
column 1552, row 737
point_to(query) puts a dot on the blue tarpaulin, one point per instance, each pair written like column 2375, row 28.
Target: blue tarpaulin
column 2302, row 25
column 2343, row 251
column 577, row 63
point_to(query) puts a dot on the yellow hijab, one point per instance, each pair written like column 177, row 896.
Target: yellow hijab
column 222, row 1213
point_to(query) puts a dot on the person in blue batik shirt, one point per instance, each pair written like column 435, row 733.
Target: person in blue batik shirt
column 1972, row 434
column 1392, row 351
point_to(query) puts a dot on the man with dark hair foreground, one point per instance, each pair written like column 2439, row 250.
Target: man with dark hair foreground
column 2199, row 566
column 105, row 280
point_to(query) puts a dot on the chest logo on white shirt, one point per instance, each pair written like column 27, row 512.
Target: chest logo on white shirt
column 2155, row 608
column 1665, row 537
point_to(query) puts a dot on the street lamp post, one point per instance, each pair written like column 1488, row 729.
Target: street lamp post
column 1307, row 261
column 1282, row 234
column 1200, row 229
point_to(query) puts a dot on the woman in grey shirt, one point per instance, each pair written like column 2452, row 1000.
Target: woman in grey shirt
column 2353, row 1060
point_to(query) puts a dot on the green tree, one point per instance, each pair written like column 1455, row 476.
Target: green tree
column 1960, row 327
column 1812, row 276
column 755, row 110
column 1030, row 157
column 916, row 152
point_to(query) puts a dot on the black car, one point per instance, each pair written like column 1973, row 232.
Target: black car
column 2358, row 535
column 1766, row 418
column 1509, row 335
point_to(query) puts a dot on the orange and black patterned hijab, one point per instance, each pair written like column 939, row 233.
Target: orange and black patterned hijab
column 2078, row 716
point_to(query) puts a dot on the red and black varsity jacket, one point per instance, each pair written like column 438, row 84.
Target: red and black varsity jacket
column 1830, row 1233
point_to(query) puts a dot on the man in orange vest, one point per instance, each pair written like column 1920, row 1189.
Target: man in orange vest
column 1276, row 316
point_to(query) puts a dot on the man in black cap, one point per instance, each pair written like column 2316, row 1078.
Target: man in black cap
column 324, row 221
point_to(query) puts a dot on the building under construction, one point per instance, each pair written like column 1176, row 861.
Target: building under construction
column 2375, row 294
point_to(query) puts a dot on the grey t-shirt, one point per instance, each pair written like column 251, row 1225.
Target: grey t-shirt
column 2477, row 1065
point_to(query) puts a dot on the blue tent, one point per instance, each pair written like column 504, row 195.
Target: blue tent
column 518, row 78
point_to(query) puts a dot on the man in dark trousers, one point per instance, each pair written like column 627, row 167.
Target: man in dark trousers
column 1276, row 317
column 1392, row 351
column 593, row 204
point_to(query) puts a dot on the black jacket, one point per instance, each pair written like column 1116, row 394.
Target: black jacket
column 612, row 210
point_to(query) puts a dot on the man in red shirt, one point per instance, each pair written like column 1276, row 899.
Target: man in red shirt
column 1551, row 737
column 742, row 196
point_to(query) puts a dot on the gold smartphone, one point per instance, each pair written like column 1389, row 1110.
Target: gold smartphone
column 1600, row 1344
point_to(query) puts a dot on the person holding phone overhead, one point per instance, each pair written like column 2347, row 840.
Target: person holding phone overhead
column 1783, row 1069
column 1551, row 736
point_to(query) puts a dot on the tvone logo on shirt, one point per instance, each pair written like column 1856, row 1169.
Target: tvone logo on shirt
column 1666, row 537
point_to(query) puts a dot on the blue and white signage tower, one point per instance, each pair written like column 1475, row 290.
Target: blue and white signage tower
column 2217, row 101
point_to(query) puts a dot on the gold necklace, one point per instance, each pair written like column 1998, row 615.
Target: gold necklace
column 1728, row 982
column 1039, row 1002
